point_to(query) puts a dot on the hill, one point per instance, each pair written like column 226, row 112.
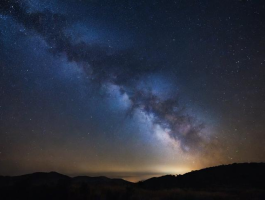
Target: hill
column 245, row 175
column 54, row 178
column 236, row 181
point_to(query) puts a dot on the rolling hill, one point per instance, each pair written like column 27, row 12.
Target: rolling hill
column 245, row 175
column 236, row 181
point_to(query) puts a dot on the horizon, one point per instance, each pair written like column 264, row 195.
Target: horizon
column 128, row 176
column 131, row 176
column 224, row 182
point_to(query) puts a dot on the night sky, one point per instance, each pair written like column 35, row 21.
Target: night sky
column 130, row 89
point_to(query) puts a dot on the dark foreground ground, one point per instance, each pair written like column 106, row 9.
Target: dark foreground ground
column 237, row 181
column 77, row 193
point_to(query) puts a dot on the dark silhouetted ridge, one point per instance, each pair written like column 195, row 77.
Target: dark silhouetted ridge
column 229, row 182
column 101, row 180
column 54, row 178
column 245, row 175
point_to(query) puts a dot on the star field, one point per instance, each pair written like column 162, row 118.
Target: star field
column 130, row 89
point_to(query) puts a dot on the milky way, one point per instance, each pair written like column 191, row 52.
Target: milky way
column 117, row 72
column 104, row 66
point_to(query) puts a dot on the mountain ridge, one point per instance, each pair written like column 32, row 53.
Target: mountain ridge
column 226, row 182
column 241, row 174
column 232, row 175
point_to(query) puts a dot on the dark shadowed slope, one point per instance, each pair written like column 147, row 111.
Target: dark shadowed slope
column 54, row 178
column 246, row 175
column 35, row 179
column 236, row 181
column 101, row 180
